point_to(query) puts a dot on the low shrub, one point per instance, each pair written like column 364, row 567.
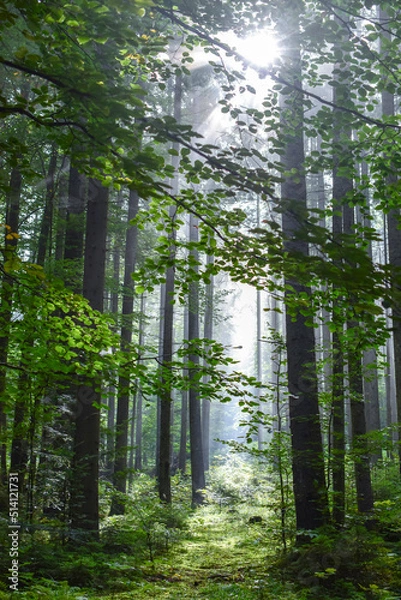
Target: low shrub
column 344, row 564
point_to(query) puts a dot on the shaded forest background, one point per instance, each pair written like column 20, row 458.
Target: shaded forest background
column 200, row 271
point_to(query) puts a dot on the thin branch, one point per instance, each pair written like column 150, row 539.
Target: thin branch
column 349, row 12
column 51, row 78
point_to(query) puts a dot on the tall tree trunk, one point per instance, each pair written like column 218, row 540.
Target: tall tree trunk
column 166, row 391
column 61, row 210
column 160, row 358
column 259, row 345
column 341, row 187
column 370, row 370
column 112, row 391
column 360, row 446
column 121, row 450
column 139, row 404
column 195, row 427
column 182, row 454
column 85, row 491
column 45, row 235
column 208, row 334
column 166, row 397
column 394, row 258
column 311, row 505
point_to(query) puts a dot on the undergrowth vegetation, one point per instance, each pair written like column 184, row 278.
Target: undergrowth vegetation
column 231, row 547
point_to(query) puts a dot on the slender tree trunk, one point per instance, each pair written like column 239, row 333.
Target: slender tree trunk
column 45, row 235
column 360, row 446
column 259, row 345
column 343, row 177
column 311, row 505
column 182, row 455
column 111, row 396
column 364, row 490
column 166, row 397
column 208, row 334
column 338, row 416
column 61, row 211
column 121, row 450
column 341, row 187
column 370, row 370
column 166, row 391
column 160, row 357
column 371, row 392
column 85, row 491
column 139, row 406
column 394, row 258
column 195, row 427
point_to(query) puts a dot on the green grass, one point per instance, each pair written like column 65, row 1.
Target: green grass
column 219, row 556
column 213, row 553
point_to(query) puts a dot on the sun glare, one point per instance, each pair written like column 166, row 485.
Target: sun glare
column 259, row 48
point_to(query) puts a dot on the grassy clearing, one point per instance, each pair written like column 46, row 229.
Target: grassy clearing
column 228, row 548
column 220, row 556
column 223, row 556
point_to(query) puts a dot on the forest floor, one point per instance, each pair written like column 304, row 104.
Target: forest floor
column 219, row 551
column 224, row 556
column 218, row 555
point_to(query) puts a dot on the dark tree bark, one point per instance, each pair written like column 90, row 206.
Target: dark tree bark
column 160, row 358
column 364, row 492
column 182, row 454
column 394, row 259
column 166, row 391
column 166, row 399
column 370, row 369
column 363, row 482
column 208, row 334
column 342, row 186
column 195, row 427
column 61, row 211
column 45, row 235
column 85, row 488
column 139, row 399
column 343, row 178
column 121, row 449
column 311, row 505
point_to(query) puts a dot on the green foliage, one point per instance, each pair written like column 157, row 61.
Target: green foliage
column 234, row 480
column 149, row 525
column 149, row 529
column 49, row 590
column 342, row 563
